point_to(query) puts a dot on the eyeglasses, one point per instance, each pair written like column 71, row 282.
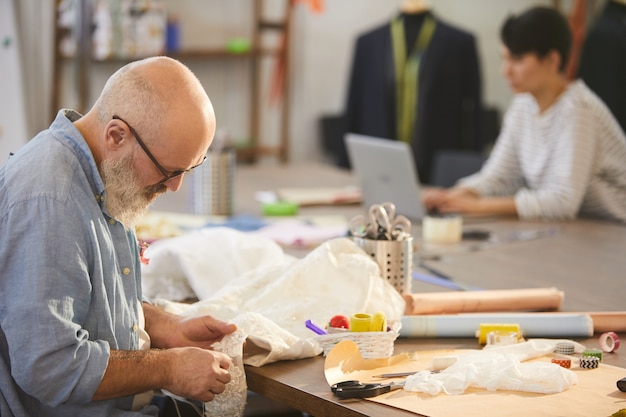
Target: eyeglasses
column 166, row 174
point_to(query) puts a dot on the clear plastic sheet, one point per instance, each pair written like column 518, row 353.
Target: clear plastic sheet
column 270, row 297
column 498, row 368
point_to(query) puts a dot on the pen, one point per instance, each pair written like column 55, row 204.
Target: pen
column 434, row 271
column 395, row 375
column 444, row 280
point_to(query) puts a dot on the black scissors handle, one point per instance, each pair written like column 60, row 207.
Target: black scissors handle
column 355, row 389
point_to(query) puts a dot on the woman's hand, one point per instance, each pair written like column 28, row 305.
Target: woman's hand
column 452, row 200
column 466, row 201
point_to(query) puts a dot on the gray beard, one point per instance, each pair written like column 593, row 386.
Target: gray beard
column 126, row 200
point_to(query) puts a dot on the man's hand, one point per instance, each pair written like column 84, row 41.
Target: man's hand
column 201, row 331
column 169, row 331
column 191, row 372
column 198, row 374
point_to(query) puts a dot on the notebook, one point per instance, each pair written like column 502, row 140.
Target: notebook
column 386, row 172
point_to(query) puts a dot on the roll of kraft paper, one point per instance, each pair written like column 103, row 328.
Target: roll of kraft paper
column 532, row 299
column 606, row 321
column 465, row 325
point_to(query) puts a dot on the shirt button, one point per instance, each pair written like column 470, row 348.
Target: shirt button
column 126, row 271
column 112, row 221
column 135, row 328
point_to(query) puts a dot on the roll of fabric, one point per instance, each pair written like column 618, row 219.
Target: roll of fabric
column 532, row 299
column 543, row 325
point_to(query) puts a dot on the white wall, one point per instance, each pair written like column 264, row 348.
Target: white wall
column 322, row 47
column 324, row 43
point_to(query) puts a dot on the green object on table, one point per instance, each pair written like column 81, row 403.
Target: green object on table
column 280, row 208
column 593, row 352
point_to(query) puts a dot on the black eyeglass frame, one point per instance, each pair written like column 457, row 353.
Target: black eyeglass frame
column 166, row 174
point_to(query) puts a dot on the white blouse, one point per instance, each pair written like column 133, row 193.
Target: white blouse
column 569, row 161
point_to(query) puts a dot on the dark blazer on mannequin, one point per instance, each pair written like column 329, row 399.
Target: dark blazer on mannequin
column 449, row 94
column 603, row 60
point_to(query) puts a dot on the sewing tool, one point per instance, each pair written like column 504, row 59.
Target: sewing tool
column 356, row 389
column 381, row 224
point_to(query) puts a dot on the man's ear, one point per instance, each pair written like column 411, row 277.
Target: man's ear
column 116, row 135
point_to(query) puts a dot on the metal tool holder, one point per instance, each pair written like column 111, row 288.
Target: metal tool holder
column 213, row 182
column 394, row 257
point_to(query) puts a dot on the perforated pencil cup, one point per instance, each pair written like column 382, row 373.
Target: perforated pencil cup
column 394, row 257
column 212, row 184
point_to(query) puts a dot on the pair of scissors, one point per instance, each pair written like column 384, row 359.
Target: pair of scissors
column 391, row 226
column 359, row 226
column 356, row 389
column 371, row 227
column 381, row 223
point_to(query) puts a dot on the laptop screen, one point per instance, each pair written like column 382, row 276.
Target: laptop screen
column 386, row 172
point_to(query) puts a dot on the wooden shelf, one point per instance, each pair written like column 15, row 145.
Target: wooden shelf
column 255, row 148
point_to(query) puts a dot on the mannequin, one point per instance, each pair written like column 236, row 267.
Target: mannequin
column 445, row 108
column 603, row 59
column 415, row 6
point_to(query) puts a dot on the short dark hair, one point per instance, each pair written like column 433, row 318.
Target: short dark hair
column 538, row 30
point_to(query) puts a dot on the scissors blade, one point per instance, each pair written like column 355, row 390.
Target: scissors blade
column 360, row 390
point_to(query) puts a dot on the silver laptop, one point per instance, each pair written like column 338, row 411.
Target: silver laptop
column 386, row 172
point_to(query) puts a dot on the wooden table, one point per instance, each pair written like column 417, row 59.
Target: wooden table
column 585, row 259
column 301, row 383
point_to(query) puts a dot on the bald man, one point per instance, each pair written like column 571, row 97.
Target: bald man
column 76, row 337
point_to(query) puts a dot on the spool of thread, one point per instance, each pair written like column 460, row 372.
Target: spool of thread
column 378, row 322
column 360, row 322
column 442, row 229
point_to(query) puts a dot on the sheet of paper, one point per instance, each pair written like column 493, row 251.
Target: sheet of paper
column 596, row 393
column 311, row 196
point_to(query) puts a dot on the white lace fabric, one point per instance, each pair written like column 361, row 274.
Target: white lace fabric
column 231, row 402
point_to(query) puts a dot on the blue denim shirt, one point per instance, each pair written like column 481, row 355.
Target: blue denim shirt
column 69, row 280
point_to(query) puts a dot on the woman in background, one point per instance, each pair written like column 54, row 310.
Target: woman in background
column 561, row 153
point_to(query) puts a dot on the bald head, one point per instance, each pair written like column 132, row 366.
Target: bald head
column 164, row 102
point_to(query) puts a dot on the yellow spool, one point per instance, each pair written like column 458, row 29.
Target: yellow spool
column 379, row 322
column 360, row 322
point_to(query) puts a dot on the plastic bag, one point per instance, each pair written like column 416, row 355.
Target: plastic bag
column 498, row 368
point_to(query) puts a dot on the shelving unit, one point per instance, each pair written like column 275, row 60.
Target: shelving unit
column 257, row 147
